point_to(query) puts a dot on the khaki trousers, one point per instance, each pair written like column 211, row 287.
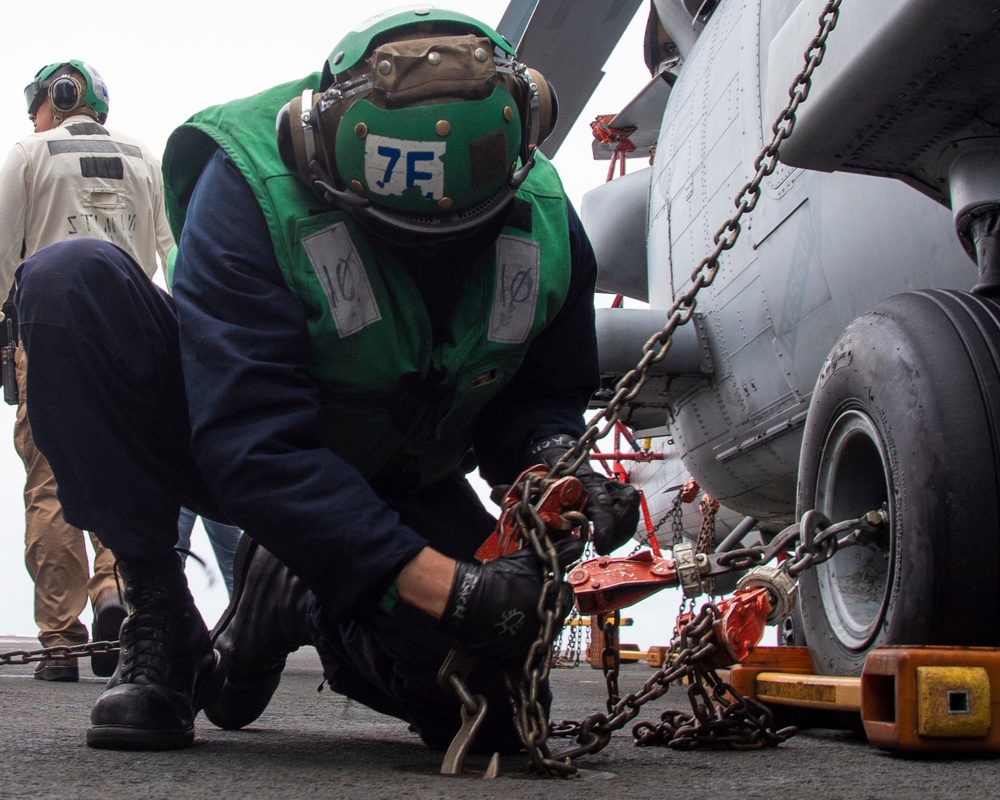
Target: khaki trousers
column 54, row 551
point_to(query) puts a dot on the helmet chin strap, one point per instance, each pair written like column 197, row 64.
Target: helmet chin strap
column 59, row 117
column 342, row 199
column 520, row 174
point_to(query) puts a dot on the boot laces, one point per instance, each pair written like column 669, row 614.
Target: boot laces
column 160, row 642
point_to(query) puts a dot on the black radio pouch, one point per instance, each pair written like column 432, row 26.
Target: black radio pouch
column 10, row 395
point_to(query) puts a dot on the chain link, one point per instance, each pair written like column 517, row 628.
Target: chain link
column 720, row 717
column 706, row 536
column 676, row 516
column 525, row 690
column 571, row 654
column 62, row 651
column 819, row 542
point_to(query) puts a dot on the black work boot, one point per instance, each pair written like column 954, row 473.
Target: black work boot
column 265, row 621
column 165, row 668
column 61, row 670
column 110, row 612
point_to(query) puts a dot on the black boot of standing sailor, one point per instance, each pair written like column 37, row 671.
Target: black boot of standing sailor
column 165, row 668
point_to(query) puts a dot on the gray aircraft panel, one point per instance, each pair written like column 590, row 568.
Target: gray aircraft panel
column 894, row 86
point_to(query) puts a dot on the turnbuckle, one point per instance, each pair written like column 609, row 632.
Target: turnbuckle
column 607, row 584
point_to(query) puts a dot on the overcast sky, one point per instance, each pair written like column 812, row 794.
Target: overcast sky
column 160, row 67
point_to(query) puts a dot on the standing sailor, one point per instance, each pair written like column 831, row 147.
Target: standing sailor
column 72, row 179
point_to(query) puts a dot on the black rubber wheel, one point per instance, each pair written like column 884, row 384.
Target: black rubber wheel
column 906, row 413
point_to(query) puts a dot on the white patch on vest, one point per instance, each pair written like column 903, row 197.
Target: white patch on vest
column 516, row 291
column 343, row 278
column 395, row 166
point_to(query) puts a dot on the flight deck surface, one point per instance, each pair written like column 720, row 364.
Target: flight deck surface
column 318, row 744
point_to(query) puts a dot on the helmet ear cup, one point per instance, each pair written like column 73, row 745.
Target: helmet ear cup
column 66, row 94
column 537, row 105
column 544, row 110
column 296, row 142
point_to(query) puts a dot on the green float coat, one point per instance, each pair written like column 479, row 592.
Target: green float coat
column 368, row 322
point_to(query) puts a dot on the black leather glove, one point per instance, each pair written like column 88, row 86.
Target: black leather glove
column 492, row 609
column 612, row 507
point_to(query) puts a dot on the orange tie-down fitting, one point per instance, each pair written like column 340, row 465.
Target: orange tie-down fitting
column 741, row 624
column 559, row 507
column 606, row 584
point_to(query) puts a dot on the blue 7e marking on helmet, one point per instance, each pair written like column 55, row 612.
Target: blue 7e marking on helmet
column 412, row 176
column 385, row 158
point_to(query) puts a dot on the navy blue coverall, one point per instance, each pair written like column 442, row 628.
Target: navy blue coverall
column 143, row 403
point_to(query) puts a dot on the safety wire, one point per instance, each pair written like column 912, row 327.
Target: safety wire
column 530, row 717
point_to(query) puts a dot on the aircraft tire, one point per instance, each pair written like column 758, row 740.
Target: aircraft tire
column 906, row 412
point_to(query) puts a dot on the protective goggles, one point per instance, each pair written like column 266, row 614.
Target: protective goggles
column 35, row 92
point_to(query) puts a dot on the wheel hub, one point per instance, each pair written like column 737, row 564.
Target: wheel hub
column 855, row 584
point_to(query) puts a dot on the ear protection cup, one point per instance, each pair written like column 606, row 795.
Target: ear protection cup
column 544, row 108
column 537, row 105
column 66, row 94
column 296, row 141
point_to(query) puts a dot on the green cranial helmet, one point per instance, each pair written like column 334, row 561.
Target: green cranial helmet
column 426, row 125
column 94, row 97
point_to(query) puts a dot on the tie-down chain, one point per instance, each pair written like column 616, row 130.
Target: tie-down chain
column 818, row 536
column 719, row 635
column 17, row 657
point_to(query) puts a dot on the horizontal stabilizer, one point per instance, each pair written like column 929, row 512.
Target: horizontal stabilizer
column 568, row 41
column 642, row 116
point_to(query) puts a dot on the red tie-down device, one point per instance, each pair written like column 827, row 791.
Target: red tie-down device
column 606, row 584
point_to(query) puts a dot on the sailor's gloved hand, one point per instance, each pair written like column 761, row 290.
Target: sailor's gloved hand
column 492, row 609
column 612, row 507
